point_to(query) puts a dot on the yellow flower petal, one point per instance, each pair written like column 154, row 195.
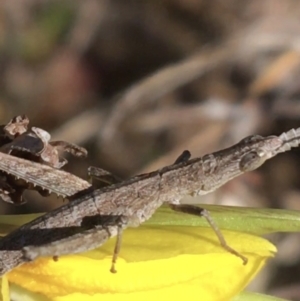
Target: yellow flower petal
column 155, row 263
column 4, row 289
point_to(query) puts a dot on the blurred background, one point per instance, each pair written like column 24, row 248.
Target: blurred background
column 138, row 82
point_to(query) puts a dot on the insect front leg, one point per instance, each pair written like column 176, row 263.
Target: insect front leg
column 103, row 175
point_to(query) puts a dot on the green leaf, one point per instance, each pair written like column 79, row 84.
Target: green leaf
column 9, row 223
column 251, row 220
column 257, row 221
column 247, row 296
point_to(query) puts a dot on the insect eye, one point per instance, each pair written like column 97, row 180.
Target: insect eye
column 251, row 161
column 252, row 138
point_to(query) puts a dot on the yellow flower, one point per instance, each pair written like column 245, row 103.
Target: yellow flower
column 155, row 263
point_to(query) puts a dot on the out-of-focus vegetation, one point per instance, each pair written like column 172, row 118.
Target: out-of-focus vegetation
column 137, row 82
